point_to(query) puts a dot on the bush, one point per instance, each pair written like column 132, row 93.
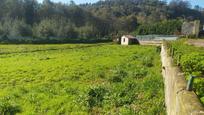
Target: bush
column 96, row 96
column 139, row 73
column 124, row 94
column 199, row 87
column 7, row 109
column 193, row 63
column 147, row 61
column 53, row 28
column 15, row 28
column 202, row 99
column 45, row 28
column 20, row 28
column 118, row 74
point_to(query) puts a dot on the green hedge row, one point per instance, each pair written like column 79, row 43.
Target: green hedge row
column 191, row 60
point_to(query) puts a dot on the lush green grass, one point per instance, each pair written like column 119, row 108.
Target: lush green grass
column 80, row 79
column 191, row 61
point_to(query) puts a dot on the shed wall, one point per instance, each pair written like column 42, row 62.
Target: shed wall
column 124, row 41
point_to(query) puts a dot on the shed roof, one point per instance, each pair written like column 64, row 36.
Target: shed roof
column 129, row 36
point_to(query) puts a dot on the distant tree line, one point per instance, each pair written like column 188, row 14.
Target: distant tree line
column 29, row 21
column 167, row 27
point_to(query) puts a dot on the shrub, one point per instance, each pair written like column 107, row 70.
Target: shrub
column 7, row 109
column 199, row 87
column 158, row 49
column 20, row 28
column 202, row 99
column 118, row 74
column 96, row 96
column 147, row 61
column 139, row 73
column 193, row 63
column 15, row 28
column 45, row 28
column 124, row 94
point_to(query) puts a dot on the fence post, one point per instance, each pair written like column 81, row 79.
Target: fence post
column 190, row 83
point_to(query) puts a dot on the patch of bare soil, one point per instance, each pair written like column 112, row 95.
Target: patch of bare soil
column 197, row 42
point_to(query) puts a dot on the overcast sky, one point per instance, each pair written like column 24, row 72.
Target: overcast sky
column 193, row 2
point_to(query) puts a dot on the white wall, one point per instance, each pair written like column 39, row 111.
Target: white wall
column 124, row 40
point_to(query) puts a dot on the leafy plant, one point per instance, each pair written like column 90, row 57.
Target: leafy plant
column 147, row 61
column 118, row 74
column 7, row 108
column 96, row 96
column 193, row 63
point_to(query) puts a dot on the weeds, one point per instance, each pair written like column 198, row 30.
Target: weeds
column 80, row 79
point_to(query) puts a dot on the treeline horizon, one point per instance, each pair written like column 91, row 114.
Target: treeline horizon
column 31, row 21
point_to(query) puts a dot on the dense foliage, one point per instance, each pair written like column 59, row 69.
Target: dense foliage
column 48, row 21
column 191, row 61
column 80, row 79
column 170, row 27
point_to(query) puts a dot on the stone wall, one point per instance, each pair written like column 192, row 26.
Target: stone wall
column 178, row 100
column 191, row 28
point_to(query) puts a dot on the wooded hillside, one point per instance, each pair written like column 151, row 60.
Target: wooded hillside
column 29, row 20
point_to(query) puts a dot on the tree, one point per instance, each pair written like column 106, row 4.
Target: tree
column 20, row 28
column 131, row 23
column 103, row 19
column 45, row 29
column 167, row 27
column 46, row 10
column 30, row 11
column 72, row 3
column 13, row 9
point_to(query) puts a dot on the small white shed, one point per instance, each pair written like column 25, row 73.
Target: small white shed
column 128, row 40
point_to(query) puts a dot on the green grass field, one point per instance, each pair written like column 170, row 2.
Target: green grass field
column 80, row 79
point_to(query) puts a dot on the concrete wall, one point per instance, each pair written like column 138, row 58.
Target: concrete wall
column 178, row 100
column 191, row 28
column 196, row 28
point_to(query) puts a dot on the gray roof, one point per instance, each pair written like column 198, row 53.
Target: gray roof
column 130, row 37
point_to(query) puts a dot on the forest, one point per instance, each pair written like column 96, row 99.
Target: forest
column 27, row 21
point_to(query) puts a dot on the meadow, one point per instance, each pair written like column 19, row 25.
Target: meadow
column 80, row 79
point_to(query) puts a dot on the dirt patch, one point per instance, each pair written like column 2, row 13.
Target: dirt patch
column 198, row 42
